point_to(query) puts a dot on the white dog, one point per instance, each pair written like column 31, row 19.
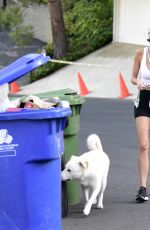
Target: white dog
column 91, row 169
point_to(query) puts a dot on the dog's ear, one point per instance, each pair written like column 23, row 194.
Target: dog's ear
column 73, row 157
column 83, row 164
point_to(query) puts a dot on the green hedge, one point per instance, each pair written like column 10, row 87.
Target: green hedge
column 12, row 19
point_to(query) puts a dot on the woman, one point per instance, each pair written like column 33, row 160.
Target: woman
column 141, row 78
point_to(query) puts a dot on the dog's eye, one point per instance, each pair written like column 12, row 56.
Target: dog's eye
column 69, row 170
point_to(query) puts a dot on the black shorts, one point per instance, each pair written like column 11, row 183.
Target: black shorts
column 144, row 104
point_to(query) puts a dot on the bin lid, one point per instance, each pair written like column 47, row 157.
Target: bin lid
column 67, row 94
column 66, row 91
column 22, row 66
column 58, row 93
column 34, row 114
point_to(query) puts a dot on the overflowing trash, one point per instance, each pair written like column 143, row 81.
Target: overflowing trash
column 28, row 102
column 34, row 102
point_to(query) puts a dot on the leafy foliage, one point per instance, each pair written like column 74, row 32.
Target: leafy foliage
column 88, row 23
column 12, row 19
column 40, row 1
column 21, row 35
column 11, row 16
column 25, row 2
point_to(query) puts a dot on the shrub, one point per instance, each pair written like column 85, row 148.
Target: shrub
column 88, row 23
column 21, row 35
column 11, row 16
column 12, row 19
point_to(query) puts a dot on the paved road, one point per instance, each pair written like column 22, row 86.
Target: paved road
column 112, row 120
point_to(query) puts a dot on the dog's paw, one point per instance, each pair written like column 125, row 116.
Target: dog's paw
column 86, row 211
column 100, row 206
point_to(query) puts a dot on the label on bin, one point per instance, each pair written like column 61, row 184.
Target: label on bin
column 6, row 147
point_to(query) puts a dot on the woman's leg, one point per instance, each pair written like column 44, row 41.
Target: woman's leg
column 142, row 126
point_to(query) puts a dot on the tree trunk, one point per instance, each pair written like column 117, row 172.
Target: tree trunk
column 4, row 3
column 58, row 29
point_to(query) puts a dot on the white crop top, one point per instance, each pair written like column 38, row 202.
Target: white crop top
column 144, row 71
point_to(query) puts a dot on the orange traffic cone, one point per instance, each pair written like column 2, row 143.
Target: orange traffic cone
column 83, row 89
column 123, row 88
column 14, row 87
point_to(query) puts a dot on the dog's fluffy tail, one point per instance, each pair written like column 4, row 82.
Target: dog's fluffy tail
column 94, row 142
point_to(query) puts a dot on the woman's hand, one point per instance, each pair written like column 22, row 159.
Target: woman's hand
column 142, row 86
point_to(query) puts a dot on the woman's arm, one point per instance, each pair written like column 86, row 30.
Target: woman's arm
column 136, row 66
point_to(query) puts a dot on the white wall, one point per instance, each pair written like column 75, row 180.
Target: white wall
column 38, row 16
column 131, row 21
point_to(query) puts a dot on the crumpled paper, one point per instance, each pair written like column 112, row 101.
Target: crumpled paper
column 35, row 102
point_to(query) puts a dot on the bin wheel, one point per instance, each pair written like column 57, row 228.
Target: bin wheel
column 64, row 194
column 64, row 200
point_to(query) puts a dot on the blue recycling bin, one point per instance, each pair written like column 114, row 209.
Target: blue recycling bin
column 31, row 146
